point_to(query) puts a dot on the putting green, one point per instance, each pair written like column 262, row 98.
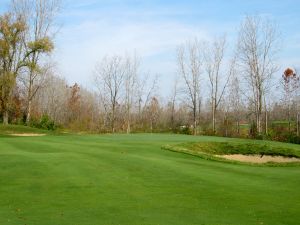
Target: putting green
column 129, row 179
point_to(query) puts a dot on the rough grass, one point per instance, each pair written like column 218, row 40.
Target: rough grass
column 9, row 130
column 129, row 180
column 208, row 150
column 13, row 129
column 244, row 148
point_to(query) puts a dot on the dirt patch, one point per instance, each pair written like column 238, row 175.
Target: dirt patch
column 259, row 159
column 28, row 135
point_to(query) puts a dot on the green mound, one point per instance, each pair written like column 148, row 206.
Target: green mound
column 210, row 149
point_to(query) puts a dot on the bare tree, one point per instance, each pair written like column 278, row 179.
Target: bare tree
column 218, row 79
column 257, row 47
column 235, row 98
column 131, row 81
column 190, row 61
column 109, row 78
column 52, row 98
column 153, row 112
column 146, row 89
column 290, row 84
column 173, row 102
column 39, row 16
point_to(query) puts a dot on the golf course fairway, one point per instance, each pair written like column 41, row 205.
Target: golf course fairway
column 129, row 180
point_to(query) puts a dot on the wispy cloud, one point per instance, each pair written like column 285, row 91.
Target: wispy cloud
column 82, row 44
column 153, row 29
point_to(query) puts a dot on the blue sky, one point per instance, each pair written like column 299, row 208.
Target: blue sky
column 153, row 29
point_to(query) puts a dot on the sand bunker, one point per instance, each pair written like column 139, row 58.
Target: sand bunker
column 28, row 135
column 259, row 158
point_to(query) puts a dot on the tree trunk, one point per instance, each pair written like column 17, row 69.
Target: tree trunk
column 5, row 117
column 113, row 116
column 195, row 120
column 128, row 118
column 226, row 125
column 257, row 116
column 238, row 127
column 199, row 113
column 258, row 121
column 259, row 113
column 140, row 123
column 213, row 117
column 298, row 124
column 173, row 119
column 128, row 127
column 289, row 117
column 28, row 118
column 113, row 122
column 266, row 122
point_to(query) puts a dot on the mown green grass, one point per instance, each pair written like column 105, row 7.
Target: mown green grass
column 128, row 179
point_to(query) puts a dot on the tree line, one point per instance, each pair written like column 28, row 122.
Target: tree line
column 219, row 88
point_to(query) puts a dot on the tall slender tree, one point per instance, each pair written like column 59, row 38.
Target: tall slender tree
column 290, row 85
column 257, row 45
column 109, row 77
column 218, row 79
column 131, row 81
column 190, row 62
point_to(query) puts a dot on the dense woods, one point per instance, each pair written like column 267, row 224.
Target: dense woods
column 218, row 88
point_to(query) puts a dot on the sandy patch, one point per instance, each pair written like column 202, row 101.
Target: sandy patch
column 259, row 159
column 28, row 135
